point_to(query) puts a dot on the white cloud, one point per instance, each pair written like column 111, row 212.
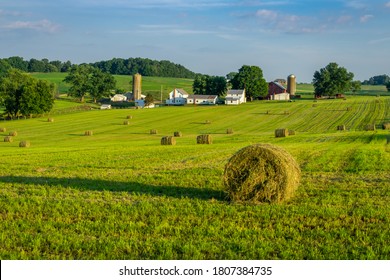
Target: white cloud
column 387, row 5
column 365, row 18
column 267, row 14
column 355, row 4
column 42, row 25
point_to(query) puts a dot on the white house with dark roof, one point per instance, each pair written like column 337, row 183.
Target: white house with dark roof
column 235, row 97
column 177, row 97
column 197, row 99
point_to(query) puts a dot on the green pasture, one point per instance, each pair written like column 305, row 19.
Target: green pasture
column 119, row 194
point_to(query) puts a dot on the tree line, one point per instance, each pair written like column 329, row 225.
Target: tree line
column 115, row 66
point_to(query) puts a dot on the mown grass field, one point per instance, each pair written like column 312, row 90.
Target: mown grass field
column 119, row 194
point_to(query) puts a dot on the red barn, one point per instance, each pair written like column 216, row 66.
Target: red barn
column 275, row 88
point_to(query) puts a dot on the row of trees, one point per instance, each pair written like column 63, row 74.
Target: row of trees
column 21, row 94
column 145, row 67
column 115, row 66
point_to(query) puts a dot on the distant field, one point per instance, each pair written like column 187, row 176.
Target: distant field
column 119, row 194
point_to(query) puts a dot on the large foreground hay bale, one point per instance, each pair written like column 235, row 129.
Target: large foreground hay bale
column 8, row 139
column 281, row 132
column 178, row 134
column 88, row 133
column 386, row 126
column 168, row 140
column 24, row 144
column 261, row 173
column 204, row 139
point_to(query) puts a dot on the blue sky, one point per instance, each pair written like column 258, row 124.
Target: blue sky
column 210, row 37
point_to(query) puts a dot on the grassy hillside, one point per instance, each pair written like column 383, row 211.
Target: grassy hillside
column 152, row 85
column 119, row 194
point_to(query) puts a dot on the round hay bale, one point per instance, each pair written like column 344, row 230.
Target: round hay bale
column 178, row 134
column 291, row 132
column 349, row 108
column 8, row 139
column 229, row 131
column 207, row 122
column 386, row 126
column 261, row 173
column 168, row 140
column 204, row 139
column 341, row 127
column 153, row 131
column 281, row 132
column 50, row 120
column 88, row 133
column 126, row 123
column 370, row 127
column 129, row 117
column 13, row 133
column 3, row 129
column 24, row 144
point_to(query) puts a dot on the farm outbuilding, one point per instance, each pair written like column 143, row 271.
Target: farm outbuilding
column 277, row 92
column 198, row 99
column 235, row 97
column 118, row 98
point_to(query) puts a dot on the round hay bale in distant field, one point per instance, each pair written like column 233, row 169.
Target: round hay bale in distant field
column 261, row 173
column 207, row 122
column 24, row 144
column 341, row 127
column 178, row 134
column 168, row 140
column 8, row 139
column 50, row 120
column 386, row 126
column 291, row 132
column 204, row 139
column 88, row 133
column 13, row 133
column 126, row 123
column 129, row 117
column 153, row 131
column 370, row 127
column 349, row 108
column 229, row 131
column 281, row 132
column 3, row 129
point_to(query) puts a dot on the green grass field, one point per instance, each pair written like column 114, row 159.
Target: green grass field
column 119, row 194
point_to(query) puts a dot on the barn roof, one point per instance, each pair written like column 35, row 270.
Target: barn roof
column 199, row 96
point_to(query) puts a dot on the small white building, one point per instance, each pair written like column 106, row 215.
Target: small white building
column 235, row 97
column 177, row 97
column 198, row 99
column 118, row 98
column 280, row 96
column 105, row 107
column 141, row 103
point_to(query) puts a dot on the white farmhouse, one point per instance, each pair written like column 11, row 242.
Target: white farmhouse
column 235, row 97
column 177, row 97
column 198, row 99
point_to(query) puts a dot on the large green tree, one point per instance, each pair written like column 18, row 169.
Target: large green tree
column 79, row 78
column 332, row 80
column 209, row 85
column 100, row 84
column 22, row 94
column 251, row 79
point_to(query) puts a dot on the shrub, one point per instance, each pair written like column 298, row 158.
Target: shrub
column 261, row 173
